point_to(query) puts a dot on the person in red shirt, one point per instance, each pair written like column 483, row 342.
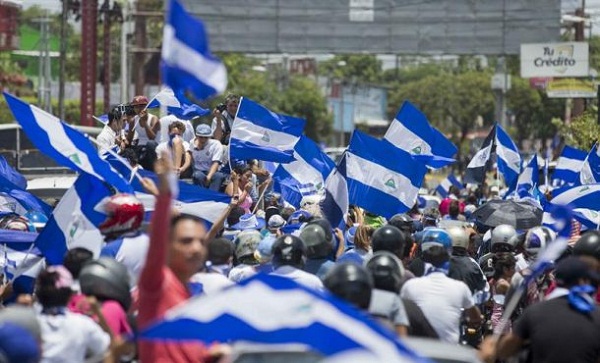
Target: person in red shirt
column 177, row 251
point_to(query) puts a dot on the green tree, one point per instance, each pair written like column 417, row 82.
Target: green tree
column 364, row 68
column 582, row 132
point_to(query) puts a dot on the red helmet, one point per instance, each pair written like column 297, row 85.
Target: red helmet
column 125, row 213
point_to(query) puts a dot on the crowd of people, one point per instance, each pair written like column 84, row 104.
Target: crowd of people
column 433, row 272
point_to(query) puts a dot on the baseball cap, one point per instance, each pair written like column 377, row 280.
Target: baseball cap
column 299, row 216
column 276, row 221
column 571, row 269
column 139, row 100
column 203, row 130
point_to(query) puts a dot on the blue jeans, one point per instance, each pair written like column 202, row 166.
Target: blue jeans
column 199, row 178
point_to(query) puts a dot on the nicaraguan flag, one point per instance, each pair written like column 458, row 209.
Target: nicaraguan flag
column 381, row 178
column 186, row 61
column 568, row 166
column 583, row 199
column 75, row 220
column 508, row 157
column 336, row 202
column 305, row 175
column 177, row 104
column 528, row 179
column 259, row 133
column 16, row 200
column 444, row 188
column 191, row 199
column 411, row 132
column 478, row 165
column 590, row 169
column 103, row 119
column 20, row 261
column 274, row 310
column 61, row 142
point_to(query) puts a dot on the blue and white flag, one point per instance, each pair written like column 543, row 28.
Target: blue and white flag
column 103, row 119
column 479, row 164
column 177, row 104
column 75, row 220
column 20, row 261
column 444, row 188
column 568, row 166
column 336, row 202
column 305, row 175
column 63, row 143
column 381, row 178
column 411, row 132
column 509, row 159
column 528, row 179
column 11, row 174
column 191, row 199
column 590, row 169
column 583, row 200
column 274, row 310
column 17, row 200
column 186, row 61
column 259, row 133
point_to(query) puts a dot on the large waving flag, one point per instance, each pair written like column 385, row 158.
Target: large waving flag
column 590, row 169
column 583, row 200
column 305, row 175
column 64, row 144
column 509, row 160
column 568, row 166
column 444, row 188
column 74, row 221
column 411, row 132
column 177, row 104
column 259, row 133
column 479, row 164
column 381, row 178
column 273, row 310
column 528, row 179
column 186, row 60
column 191, row 199
column 20, row 261
column 313, row 173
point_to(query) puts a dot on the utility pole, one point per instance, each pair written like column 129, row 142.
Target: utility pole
column 579, row 103
column 44, row 75
column 106, row 18
column 141, row 42
column 89, row 15
column 62, row 58
column 124, row 58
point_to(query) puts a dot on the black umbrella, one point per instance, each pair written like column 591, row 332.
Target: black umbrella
column 521, row 215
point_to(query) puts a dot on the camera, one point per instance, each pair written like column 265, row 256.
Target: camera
column 221, row 107
column 126, row 109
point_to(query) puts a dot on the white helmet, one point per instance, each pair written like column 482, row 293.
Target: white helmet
column 502, row 238
column 459, row 237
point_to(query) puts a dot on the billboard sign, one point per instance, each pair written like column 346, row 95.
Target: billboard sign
column 555, row 60
column 571, row 88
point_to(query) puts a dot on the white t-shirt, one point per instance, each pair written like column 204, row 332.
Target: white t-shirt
column 241, row 272
column 106, row 139
column 67, row 338
column 164, row 146
column 211, row 282
column 300, row 276
column 203, row 159
column 131, row 252
column 165, row 121
column 441, row 300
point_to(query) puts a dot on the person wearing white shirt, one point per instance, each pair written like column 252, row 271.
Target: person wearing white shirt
column 188, row 135
column 441, row 298
column 289, row 257
column 207, row 154
column 224, row 116
column 109, row 137
column 178, row 148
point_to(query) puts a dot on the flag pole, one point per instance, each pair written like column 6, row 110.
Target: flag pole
column 110, row 151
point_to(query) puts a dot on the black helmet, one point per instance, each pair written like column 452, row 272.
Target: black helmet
column 350, row 282
column 289, row 250
column 403, row 222
column 588, row 245
column 106, row 279
column 389, row 238
column 386, row 270
column 486, row 263
column 318, row 245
